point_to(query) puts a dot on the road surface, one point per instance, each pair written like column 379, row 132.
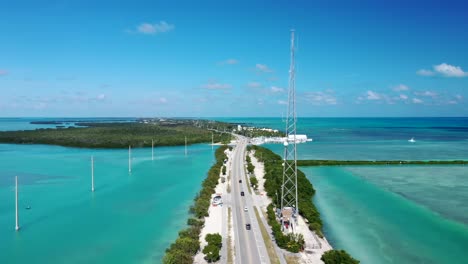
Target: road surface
column 249, row 245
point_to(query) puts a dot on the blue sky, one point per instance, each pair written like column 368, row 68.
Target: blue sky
column 231, row 58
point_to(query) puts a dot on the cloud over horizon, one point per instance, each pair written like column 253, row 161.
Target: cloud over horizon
column 216, row 86
column 155, row 28
column 445, row 70
column 229, row 62
column 263, row 68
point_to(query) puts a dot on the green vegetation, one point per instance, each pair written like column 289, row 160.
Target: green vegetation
column 250, row 169
column 187, row 245
column 338, row 257
column 117, row 135
column 211, row 250
column 259, row 132
column 378, row 162
column 266, row 238
column 273, row 181
column 254, row 182
column 290, row 242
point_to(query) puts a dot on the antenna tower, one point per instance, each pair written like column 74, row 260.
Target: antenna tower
column 289, row 186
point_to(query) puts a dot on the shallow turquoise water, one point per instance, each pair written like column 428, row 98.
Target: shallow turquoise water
column 442, row 189
column 378, row 226
column 131, row 218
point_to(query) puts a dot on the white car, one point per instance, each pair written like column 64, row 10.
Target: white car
column 245, row 209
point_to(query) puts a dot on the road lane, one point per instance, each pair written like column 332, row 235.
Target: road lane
column 249, row 244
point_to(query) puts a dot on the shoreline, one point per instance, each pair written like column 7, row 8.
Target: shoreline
column 187, row 245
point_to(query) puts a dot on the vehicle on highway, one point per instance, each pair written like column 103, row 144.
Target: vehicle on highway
column 240, row 181
column 242, row 193
column 247, row 226
column 245, row 209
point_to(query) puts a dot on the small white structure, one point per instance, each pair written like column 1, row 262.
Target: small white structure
column 280, row 140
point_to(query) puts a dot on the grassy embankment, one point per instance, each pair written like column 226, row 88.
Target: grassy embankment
column 187, row 244
column 266, row 238
column 116, row 135
column 378, row 162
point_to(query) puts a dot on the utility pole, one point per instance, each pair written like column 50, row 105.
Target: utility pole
column 17, row 227
column 129, row 159
column 152, row 149
column 92, row 173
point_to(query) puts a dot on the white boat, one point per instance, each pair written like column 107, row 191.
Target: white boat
column 411, row 140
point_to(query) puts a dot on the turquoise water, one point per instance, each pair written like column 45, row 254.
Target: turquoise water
column 375, row 138
column 131, row 218
column 388, row 214
column 442, row 189
column 378, row 226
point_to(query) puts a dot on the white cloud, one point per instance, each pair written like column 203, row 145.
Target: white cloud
column 3, row 72
column 262, row 68
column 153, row 29
column 229, row 62
column 217, row 86
column 417, row 101
column 427, row 93
column 452, row 102
column 254, row 84
column 448, row 70
column 275, row 89
column 400, row 87
column 459, row 96
column 371, row 95
column 282, row 102
column 403, row 97
column 163, row 100
column 326, row 97
column 424, row 72
column 101, row 97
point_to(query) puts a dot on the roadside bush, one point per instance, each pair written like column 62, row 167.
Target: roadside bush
column 211, row 250
column 211, row 253
column 338, row 257
column 254, row 182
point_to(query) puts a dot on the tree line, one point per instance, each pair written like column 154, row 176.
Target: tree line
column 115, row 135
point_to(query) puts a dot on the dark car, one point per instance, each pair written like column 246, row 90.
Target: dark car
column 247, row 226
column 242, row 193
column 240, row 181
